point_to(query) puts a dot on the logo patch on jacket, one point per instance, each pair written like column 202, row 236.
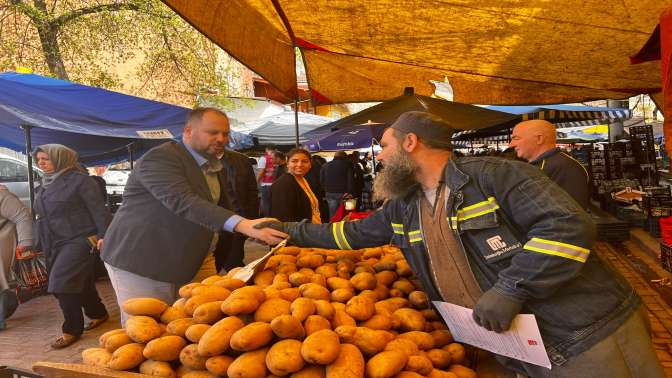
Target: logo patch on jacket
column 499, row 247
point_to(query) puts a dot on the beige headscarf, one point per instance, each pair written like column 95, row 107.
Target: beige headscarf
column 63, row 158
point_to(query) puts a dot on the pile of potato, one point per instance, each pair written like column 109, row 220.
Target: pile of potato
column 310, row 313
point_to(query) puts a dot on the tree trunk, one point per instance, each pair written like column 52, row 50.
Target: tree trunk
column 52, row 52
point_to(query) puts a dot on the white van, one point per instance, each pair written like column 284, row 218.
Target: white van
column 14, row 175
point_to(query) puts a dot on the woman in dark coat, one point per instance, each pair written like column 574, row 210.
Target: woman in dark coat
column 292, row 199
column 70, row 222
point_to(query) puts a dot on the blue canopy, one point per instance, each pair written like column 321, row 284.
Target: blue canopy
column 99, row 124
column 349, row 138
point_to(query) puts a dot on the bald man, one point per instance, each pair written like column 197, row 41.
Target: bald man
column 535, row 141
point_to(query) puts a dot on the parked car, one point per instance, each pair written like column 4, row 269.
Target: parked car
column 14, row 175
column 116, row 180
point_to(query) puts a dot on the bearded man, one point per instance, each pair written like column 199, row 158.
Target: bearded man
column 500, row 237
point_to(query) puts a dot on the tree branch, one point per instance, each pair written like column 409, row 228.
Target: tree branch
column 33, row 13
column 72, row 15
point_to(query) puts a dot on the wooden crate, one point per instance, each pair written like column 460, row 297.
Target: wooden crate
column 60, row 370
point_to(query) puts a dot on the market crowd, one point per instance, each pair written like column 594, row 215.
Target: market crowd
column 500, row 236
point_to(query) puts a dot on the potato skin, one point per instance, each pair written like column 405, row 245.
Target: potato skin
column 144, row 306
column 315, row 323
column 104, row 336
column 314, row 291
column 271, row 309
column 173, row 313
column 288, row 327
column 301, row 308
column 420, row 364
column 218, row 365
column 251, row 337
column 116, row 341
column 364, row 281
column 96, row 357
column 410, row 319
column 423, row 340
column 369, row 341
column 349, row 363
column 361, row 308
column 178, row 327
column 457, row 352
column 386, row 364
column 407, row 346
column 195, row 332
column 216, row 339
column 321, row 347
column 166, row 348
column 208, row 313
column 284, row 357
column 142, row 329
column 157, row 369
column 310, row 371
column 127, row 357
column 379, row 322
column 249, row 365
column 190, row 357
column 439, row 357
column 324, row 308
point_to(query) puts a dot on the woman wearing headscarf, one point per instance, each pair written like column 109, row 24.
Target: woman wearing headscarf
column 70, row 223
column 16, row 235
column 292, row 198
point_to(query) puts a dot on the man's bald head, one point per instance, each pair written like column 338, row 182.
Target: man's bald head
column 532, row 138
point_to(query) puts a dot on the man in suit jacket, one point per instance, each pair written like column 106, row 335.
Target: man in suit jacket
column 164, row 233
column 244, row 198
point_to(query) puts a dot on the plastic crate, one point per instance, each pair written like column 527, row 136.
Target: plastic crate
column 653, row 226
column 666, row 229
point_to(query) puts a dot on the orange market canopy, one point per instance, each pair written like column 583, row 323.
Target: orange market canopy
column 491, row 51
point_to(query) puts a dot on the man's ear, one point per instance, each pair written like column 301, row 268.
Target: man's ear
column 410, row 142
column 187, row 130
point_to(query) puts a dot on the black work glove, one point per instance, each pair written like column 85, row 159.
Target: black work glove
column 276, row 225
column 495, row 311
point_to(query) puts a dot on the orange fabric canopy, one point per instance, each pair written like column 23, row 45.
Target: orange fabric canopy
column 491, row 51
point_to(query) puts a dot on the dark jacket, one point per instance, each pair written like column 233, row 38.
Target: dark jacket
column 522, row 235
column 289, row 203
column 66, row 213
column 244, row 198
column 165, row 224
column 568, row 173
column 337, row 176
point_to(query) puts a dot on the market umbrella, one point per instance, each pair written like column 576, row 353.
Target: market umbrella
column 350, row 138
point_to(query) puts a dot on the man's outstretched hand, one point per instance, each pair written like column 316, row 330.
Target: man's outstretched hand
column 262, row 229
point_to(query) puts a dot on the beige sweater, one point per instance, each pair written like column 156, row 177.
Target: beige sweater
column 16, row 228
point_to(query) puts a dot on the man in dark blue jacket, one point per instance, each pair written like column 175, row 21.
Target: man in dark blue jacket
column 337, row 179
column 498, row 236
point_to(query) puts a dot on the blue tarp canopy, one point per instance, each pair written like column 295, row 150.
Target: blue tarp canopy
column 97, row 123
column 349, row 138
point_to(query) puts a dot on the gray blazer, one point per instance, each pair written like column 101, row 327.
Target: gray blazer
column 165, row 224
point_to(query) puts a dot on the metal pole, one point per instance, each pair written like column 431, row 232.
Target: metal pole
column 130, row 154
column 373, row 161
column 29, row 156
column 296, row 115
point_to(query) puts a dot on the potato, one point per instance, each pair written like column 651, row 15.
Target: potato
column 195, row 332
column 364, row 281
column 386, row 364
column 208, row 313
column 301, row 308
column 157, row 369
column 229, row 283
column 190, row 357
column 292, row 250
column 342, row 295
column 379, row 322
column 290, row 294
column 406, row 346
column 386, row 263
column 185, row 291
column 197, row 300
column 284, row 357
column 410, row 319
column 310, row 261
column 418, row 299
column 288, row 327
column 318, row 279
column 436, row 373
column 264, row 278
column 166, row 348
column 404, row 285
column 441, row 338
column 104, row 336
column 369, row 341
column 144, row 306
column 342, row 318
column 457, row 353
column 249, row 365
column 216, row 339
column 299, row 278
column 386, row 277
column 198, row 374
column 116, row 341
column 327, row 270
column 335, row 283
column 439, row 357
column 143, row 329
column 239, row 305
column 349, row 363
column 271, row 309
column 408, row 374
column 390, row 305
column 420, row 364
column 430, row 315
column 96, row 357
column 252, row 291
column 310, row 371
column 403, row 269
column 182, row 370
column 280, row 278
column 218, row 364
column 179, row 303
column 361, row 308
column 314, row 291
column 173, row 313
column 364, row 268
column 321, row 347
column 179, row 327
column 423, row 340
column 272, row 292
column 370, row 294
column 252, row 336
column 374, row 252
column 324, row 309
column 127, row 357
column 211, row 280
column 315, row 323
column 286, row 268
column 396, row 293
column 213, row 291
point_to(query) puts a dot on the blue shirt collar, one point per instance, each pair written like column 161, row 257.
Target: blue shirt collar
column 213, row 166
column 545, row 155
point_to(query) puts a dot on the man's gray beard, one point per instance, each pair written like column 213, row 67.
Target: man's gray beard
column 397, row 179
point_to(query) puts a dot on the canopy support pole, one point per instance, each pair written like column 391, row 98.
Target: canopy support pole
column 296, row 116
column 130, row 154
column 29, row 149
column 373, row 161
